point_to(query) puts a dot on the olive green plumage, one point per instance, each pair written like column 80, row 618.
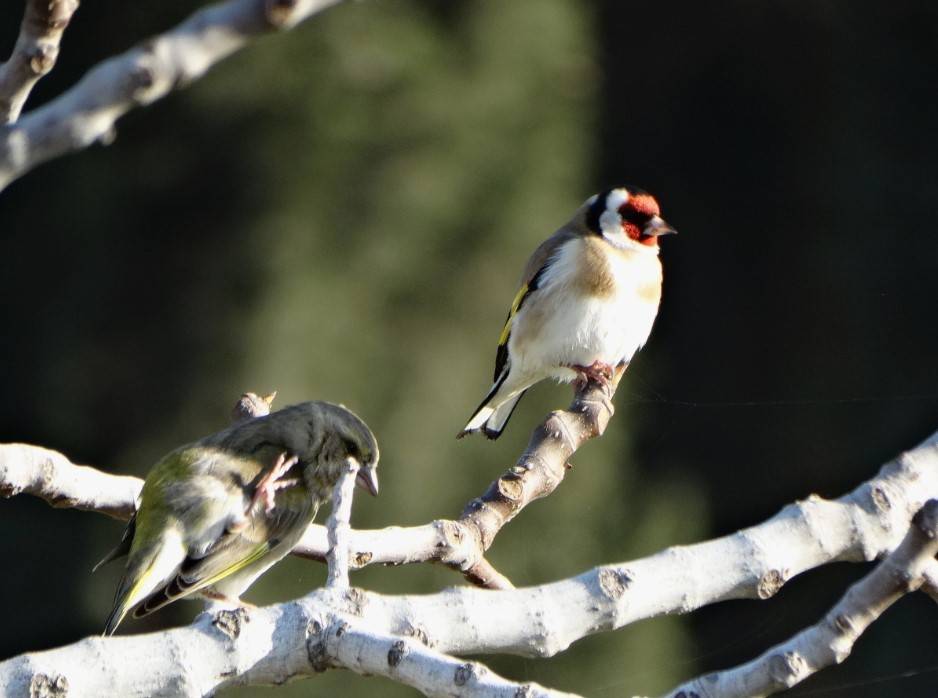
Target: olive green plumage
column 203, row 524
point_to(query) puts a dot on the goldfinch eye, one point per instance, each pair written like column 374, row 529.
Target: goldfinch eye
column 634, row 216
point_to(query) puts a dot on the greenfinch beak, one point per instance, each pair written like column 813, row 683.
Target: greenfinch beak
column 367, row 479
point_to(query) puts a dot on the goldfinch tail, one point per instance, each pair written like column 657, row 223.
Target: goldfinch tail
column 495, row 424
column 492, row 415
column 477, row 421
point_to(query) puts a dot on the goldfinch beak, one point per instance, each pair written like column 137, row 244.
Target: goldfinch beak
column 656, row 226
column 367, row 479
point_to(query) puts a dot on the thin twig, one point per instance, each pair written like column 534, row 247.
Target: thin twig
column 339, row 527
column 35, row 53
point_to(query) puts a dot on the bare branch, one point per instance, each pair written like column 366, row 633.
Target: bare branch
column 273, row 645
column 832, row 639
column 87, row 113
column 460, row 544
column 339, row 528
column 409, row 661
column 537, row 621
column 537, row 473
column 862, row 525
column 34, row 54
column 369, row 632
column 51, row 476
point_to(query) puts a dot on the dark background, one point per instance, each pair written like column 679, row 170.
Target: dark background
column 342, row 213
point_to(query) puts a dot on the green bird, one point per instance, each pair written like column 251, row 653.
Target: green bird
column 216, row 514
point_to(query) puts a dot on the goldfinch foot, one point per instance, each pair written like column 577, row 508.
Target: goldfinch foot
column 268, row 485
column 597, row 372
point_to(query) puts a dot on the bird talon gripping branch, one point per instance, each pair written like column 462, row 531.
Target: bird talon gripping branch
column 588, row 298
column 597, row 372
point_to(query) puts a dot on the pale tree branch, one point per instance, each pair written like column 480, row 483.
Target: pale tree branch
column 538, row 621
column 87, row 113
column 459, row 544
column 930, row 581
column 861, row 525
column 409, row 661
column 831, row 640
column 271, row 646
column 34, row 54
column 339, row 528
column 51, row 476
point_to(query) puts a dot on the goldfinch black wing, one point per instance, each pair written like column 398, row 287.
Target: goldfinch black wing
column 534, row 270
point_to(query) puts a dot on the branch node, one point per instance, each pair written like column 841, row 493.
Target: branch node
column 397, row 653
column 43, row 58
column 770, row 583
column 905, row 582
column 356, row 600
column 926, row 519
column 450, row 532
column 614, row 582
column 470, row 671
column 229, row 621
column 278, row 12
column 880, row 499
column 483, row 574
column 510, row 487
column 60, row 13
column 844, row 625
column 418, row 632
column 786, row 668
column 44, row 686
column 316, row 647
column 141, row 79
column 361, row 559
column 557, row 428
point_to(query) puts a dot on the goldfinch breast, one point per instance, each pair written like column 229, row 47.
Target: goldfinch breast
column 595, row 303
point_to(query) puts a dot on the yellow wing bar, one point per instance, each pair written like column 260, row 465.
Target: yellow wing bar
column 515, row 304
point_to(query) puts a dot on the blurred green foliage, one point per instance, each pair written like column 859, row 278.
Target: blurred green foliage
column 342, row 212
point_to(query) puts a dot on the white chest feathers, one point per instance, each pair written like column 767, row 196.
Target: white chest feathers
column 593, row 303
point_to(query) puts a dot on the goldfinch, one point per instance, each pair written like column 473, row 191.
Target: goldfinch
column 589, row 295
column 216, row 514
